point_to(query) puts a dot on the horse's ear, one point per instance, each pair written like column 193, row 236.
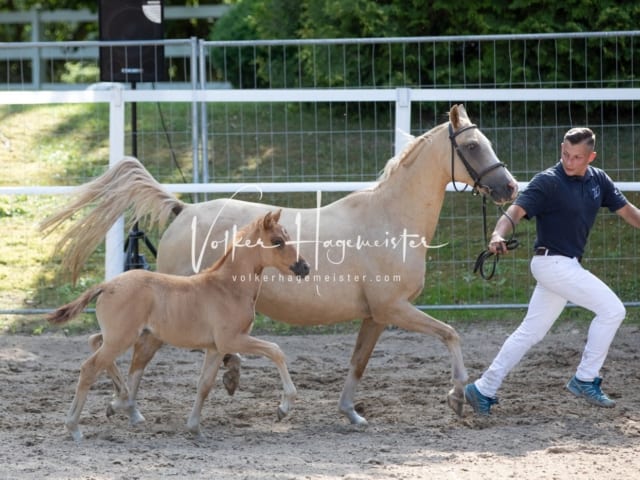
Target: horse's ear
column 456, row 115
column 270, row 219
column 453, row 117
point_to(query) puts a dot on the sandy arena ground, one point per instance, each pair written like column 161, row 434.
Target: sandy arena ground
column 539, row 431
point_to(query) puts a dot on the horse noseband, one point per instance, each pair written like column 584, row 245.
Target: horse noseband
column 475, row 176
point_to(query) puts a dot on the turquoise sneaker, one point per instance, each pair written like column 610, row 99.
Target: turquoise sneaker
column 591, row 392
column 480, row 403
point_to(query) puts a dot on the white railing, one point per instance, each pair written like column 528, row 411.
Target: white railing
column 117, row 97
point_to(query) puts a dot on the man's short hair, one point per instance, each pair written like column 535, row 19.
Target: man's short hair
column 581, row 135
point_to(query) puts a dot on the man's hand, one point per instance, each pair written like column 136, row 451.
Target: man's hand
column 497, row 244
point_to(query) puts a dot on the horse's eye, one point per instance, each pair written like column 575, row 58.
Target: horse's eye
column 278, row 242
column 472, row 146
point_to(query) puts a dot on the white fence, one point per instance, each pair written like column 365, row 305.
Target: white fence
column 118, row 98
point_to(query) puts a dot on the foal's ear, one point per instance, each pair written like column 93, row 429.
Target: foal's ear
column 270, row 219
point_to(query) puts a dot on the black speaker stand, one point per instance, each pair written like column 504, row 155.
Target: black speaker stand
column 133, row 258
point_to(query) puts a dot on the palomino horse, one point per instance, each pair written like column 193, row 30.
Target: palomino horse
column 213, row 310
column 368, row 248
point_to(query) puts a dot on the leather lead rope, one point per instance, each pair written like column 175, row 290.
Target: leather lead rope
column 511, row 244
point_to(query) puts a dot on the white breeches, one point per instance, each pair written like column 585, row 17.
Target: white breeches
column 560, row 280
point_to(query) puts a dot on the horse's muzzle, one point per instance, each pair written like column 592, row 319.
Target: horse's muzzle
column 503, row 194
column 300, row 268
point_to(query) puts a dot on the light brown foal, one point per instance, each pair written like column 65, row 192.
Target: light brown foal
column 213, row 310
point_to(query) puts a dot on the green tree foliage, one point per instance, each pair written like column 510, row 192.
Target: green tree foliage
column 249, row 66
column 395, row 65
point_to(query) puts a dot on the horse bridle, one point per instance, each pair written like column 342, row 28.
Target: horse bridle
column 475, row 176
column 477, row 185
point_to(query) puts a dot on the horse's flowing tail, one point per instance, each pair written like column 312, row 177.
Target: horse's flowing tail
column 126, row 185
column 71, row 310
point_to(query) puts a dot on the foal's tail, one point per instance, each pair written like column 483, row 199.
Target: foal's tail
column 126, row 185
column 70, row 310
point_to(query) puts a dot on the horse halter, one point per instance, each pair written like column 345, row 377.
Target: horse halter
column 475, row 176
column 512, row 243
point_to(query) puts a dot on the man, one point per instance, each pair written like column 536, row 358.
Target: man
column 564, row 200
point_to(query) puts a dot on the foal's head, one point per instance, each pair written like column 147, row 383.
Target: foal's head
column 276, row 250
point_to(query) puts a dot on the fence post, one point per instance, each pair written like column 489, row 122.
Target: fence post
column 194, row 113
column 114, row 242
column 403, row 118
column 204, row 139
column 36, row 62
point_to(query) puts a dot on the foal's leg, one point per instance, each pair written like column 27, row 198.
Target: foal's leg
column 210, row 366
column 100, row 360
column 144, row 349
column 119, row 384
column 246, row 344
column 367, row 338
column 122, row 400
column 408, row 317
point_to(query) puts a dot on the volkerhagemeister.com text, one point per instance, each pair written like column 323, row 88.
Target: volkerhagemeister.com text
column 318, row 278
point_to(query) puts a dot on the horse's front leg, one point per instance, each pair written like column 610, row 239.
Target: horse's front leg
column 408, row 317
column 231, row 378
column 210, row 366
column 367, row 338
column 246, row 344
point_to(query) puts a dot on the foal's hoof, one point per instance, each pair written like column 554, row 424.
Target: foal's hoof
column 455, row 401
column 110, row 411
column 281, row 413
column 75, row 432
column 135, row 418
column 231, row 380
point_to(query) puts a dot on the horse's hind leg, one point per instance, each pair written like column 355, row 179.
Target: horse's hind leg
column 89, row 371
column 121, row 392
column 210, row 366
column 122, row 400
column 367, row 338
column 144, row 349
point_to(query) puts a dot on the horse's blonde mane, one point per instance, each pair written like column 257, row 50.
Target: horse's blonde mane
column 408, row 153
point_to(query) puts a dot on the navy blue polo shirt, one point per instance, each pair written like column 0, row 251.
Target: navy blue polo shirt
column 565, row 207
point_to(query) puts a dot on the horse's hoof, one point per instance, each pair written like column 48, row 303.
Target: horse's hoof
column 354, row 418
column 455, row 402
column 135, row 418
column 358, row 421
column 281, row 413
column 76, row 434
column 110, row 411
column 231, row 380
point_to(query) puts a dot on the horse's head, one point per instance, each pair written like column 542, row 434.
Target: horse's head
column 474, row 162
column 278, row 251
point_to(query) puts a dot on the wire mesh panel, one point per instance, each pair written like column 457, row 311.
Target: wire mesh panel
column 353, row 140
